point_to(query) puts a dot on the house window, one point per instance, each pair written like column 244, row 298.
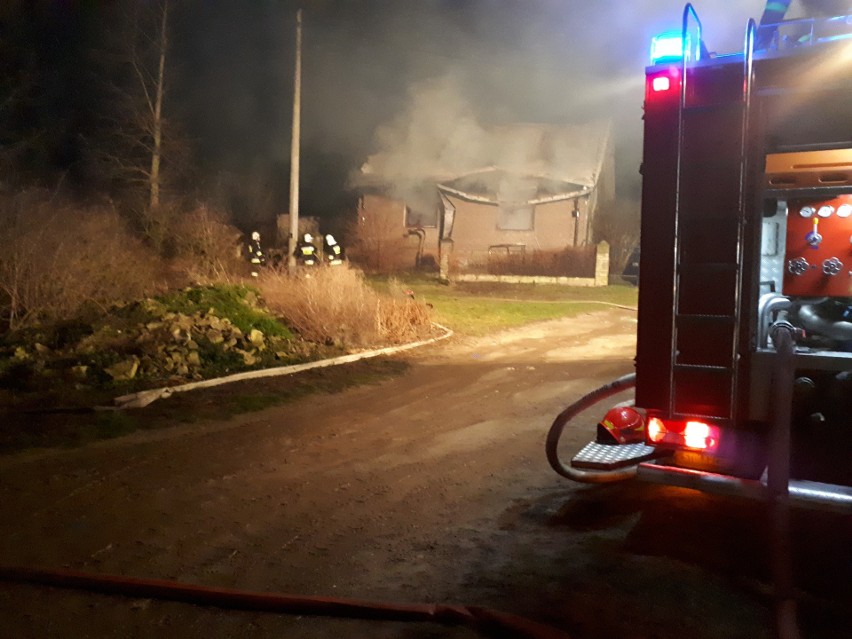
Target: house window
column 423, row 219
column 511, row 217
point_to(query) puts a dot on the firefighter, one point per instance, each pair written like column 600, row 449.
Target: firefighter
column 255, row 254
column 332, row 251
column 306, row 251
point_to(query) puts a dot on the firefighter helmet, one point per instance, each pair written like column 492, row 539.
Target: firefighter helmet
column 255, row 236
column 309, row 237
column 622, row 425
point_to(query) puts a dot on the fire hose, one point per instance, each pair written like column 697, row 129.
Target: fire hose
column 484, row 620
column 555, row 433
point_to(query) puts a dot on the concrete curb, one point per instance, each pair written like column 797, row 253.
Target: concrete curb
column 143, row 398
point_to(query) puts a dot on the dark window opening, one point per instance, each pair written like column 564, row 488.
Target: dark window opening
column 515, row 217
column 424, row 219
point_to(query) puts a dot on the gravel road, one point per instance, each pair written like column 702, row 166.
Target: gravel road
column 430, row 487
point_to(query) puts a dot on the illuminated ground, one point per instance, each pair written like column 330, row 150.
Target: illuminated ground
column 431, row 487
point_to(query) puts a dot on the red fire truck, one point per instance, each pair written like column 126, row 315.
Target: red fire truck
column 743, row 379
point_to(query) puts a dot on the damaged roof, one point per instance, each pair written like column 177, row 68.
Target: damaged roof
column 517, row 162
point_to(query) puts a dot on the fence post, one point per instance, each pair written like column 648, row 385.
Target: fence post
column 445, row 248
column 602, row 264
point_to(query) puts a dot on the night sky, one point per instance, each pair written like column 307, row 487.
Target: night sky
column 364, row 62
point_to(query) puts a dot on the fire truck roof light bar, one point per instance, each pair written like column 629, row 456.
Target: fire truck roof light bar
column 680, row 45
column 668, row 47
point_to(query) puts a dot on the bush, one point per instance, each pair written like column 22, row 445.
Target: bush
column 207, row 248
column 571, row 261
column 56, row 258
column 334, row 305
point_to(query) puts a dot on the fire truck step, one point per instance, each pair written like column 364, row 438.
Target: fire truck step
column 595, row 456
column 715, row 107
column 703, row 367
column 697, row 317
column 707, row 268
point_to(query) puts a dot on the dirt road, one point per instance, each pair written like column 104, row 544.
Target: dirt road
column 431, row 487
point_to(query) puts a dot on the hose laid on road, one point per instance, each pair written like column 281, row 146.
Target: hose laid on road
column 143, row 398
column 556, row 430
column 490, row 622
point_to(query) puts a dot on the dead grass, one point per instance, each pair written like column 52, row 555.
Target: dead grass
column 334, row 305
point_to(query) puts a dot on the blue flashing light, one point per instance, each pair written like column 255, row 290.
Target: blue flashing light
column 669, row 47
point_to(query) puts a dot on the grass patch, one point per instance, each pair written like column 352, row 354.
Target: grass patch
column 478, row 308
column 237, row 303
column 480, row 317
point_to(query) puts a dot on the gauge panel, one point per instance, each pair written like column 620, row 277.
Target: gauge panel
column 818, row 260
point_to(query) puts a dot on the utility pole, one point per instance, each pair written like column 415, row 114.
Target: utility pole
column 294, row 149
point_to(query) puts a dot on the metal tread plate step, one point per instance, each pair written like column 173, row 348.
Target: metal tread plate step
column 595, row 456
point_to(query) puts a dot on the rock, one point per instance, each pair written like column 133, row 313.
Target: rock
column 193, row 359
column 248, row 358
column 79, row 373
column 214, row 336
column 256, row 338
column 123, row 370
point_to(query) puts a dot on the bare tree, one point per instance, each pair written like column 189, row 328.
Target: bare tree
column 617, row 222
column 141, row 145
column 154, row 104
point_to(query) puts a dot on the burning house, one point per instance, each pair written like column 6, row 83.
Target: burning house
column 514, row 189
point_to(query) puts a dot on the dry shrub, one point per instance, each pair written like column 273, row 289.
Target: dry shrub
column 378, row 245
column 571, row 262
column 207, row 247
column 55, row 258
column 334, row 305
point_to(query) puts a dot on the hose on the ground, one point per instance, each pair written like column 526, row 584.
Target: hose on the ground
column 484, row 620
column 555, row 433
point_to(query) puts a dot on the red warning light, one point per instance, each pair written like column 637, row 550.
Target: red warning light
column 656, row 429
column 661, row 83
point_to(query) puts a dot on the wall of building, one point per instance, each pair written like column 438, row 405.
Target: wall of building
column 386, row 215
column 554, row 228
column 475, row 227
